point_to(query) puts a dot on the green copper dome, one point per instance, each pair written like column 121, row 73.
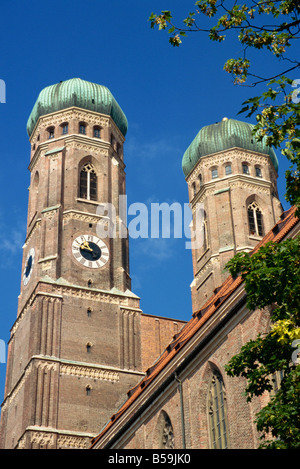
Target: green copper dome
column 228, row 133
column 79, row 93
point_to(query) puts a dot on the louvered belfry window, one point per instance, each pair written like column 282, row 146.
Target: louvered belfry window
column 88, row 182
column 255, row 219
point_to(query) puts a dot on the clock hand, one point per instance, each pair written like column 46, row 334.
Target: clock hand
column 85, row 245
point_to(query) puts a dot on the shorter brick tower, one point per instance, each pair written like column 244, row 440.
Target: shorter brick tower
column 232, row 183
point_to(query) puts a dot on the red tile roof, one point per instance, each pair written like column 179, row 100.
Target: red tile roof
column 287, row 221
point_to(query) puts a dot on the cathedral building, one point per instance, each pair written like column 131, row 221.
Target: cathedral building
column 86, row 367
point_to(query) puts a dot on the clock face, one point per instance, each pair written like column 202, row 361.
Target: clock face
column 28, row 266
column 90, row 251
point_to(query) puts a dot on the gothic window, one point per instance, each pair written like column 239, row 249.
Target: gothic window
column 258, row 172
column 193, row 189
column 200, row 180
column 245, row 168
column 166, row 432
column 82, row 128
column 35, row 189
column 88, row 182
column 205, row 233
column 217, row 411
column 214, row 173
column 255, row 219
column 97, row 133
column 228, row 169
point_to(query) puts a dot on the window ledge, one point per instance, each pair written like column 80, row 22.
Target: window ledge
column 256, row 238
column 86, row 201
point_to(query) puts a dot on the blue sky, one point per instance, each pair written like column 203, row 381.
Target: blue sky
column 167, row 95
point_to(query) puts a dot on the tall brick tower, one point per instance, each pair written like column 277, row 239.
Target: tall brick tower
column 232, row 183
column 74, row 349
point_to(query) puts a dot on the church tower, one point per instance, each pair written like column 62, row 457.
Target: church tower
column 74, row 349
column 232, row 184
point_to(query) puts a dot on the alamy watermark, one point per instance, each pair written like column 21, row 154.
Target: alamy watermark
column 2, row 351
column 296, row 353
column 156, row 220
column 296, row 93
column 2, row 91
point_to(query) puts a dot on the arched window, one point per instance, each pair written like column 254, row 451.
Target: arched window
column 255, row 219
column 97, row 131
column 64, row 128
column 50, row 131
column 258, row 172
column 193, row 189
column 165, row 429
column 35, row 189
column 88, row 390
column 88, row 182
column 228, row 169
column 88, row 347
column 205, row 232
column 82, row 128
column 214, row 173
column 200, row 180
column 217, row 413
column 245, row 168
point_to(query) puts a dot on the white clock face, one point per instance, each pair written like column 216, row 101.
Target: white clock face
column 28, row 266
column 90, row 251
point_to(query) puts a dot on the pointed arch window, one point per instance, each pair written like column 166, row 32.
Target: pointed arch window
column 205, row 232
column 88, row 182
column 166, row 440
column 217, row 410
column 255, row 219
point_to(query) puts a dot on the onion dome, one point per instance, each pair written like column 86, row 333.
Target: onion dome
column 228, row 133
column 79, row 93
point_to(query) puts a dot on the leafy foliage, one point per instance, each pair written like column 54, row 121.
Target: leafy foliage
column 277, row 110
column 272, row 277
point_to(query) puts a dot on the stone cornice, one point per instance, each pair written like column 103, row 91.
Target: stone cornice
column 227, row 156
column 65, row 115
column 72, row 368
column 47, row 435
column 82, row 142
column 235, row 180
column 127, row 300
